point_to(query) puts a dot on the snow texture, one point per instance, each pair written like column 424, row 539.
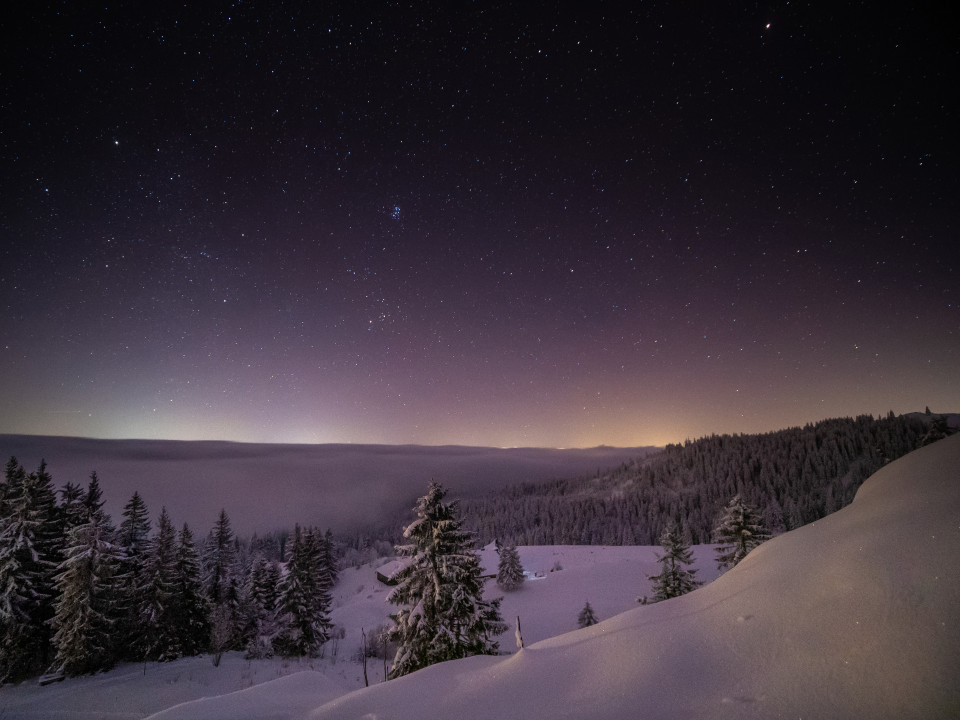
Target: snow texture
column 854, row 616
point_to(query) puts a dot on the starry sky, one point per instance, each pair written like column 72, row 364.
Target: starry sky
column 481, row 223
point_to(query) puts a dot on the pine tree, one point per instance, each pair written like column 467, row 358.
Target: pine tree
column 30, row 550
column 305, row 624
column 442, row 613
column 221, row 585
column 157, row 608
column 93, row 503
column 133, row 540
column 674, row 578
column 329, row 559
column 84, row 611
column 72, row 510
column 190, row 611
column 509, row 570
column 739, row 530
column 261, row 622
column 586, row 618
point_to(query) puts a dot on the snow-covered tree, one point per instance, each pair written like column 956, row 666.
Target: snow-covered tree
column 133, row 539
column 586, row 618
column 191, row 612
column 93, row 503
column 220, row 583
column 84, row 611
column 674, row 578
column 509, row 570
column 73, row 512
column 157, row 608
column 261, row 626
column 328, row 560
column 739, row 530
column 442, row 613
column 30, row 550
column 304, row 602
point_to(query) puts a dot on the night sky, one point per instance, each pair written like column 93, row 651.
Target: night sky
column 475, row 223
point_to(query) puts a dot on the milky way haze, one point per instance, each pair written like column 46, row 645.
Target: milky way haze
column 474, row 223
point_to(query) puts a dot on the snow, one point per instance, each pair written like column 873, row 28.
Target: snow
column 854, row 616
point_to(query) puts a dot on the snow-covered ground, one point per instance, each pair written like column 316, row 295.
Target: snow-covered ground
column 611, row 578
column 854, row 616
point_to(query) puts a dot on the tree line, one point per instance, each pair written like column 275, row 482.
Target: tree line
column 78, row 594
column 793, row 476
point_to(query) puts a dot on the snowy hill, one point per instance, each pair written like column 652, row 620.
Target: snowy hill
column 854, row 616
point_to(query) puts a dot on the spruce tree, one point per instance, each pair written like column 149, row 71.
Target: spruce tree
column 190, row 608
column 93, row 503
column 30, row 550
column 509, row 570
column 72, row 509
column 442, row 613
column 674, row 578
column 157, row 608
column 133, row 540
column 220, row 584
column 84, row 611
column 586, row 618
column 739, row 530
column 261, row 621
column 305, row 623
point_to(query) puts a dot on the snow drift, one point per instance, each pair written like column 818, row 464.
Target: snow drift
column 854, row 616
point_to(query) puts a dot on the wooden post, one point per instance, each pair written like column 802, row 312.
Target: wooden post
column 363, row 653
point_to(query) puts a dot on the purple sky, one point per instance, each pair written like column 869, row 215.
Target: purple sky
column 487, row 224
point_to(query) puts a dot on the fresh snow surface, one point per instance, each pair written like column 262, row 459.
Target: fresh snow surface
column 854, row 616
column 611, row 578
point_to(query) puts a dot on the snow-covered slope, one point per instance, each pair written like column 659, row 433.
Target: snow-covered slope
column 854, row 616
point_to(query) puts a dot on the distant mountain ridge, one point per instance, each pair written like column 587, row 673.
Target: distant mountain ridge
column 793, row 476
column 266, row 487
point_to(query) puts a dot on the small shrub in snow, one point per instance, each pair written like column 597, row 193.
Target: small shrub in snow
column 586, row 618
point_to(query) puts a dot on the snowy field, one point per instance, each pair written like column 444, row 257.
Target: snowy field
column 611, row 578
column 854, row 616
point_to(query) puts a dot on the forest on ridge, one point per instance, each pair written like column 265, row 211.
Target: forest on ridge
column 793, row 476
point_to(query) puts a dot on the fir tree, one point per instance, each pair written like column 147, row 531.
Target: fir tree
column 674, row 578
column 133, row 540
column 305, row 624
column 739, row 530
column 442, row 613
column 261, row 621
column 93, row 503
column 220, row 583
column 30, row 550
column 586, row 618
column 83, row 620
column 329, row 559
column 509, row 570
column 157, row 608
column 72, row 508
column 190, row 609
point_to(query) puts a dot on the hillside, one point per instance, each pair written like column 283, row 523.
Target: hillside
column 793, row 476
column 853, row 616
